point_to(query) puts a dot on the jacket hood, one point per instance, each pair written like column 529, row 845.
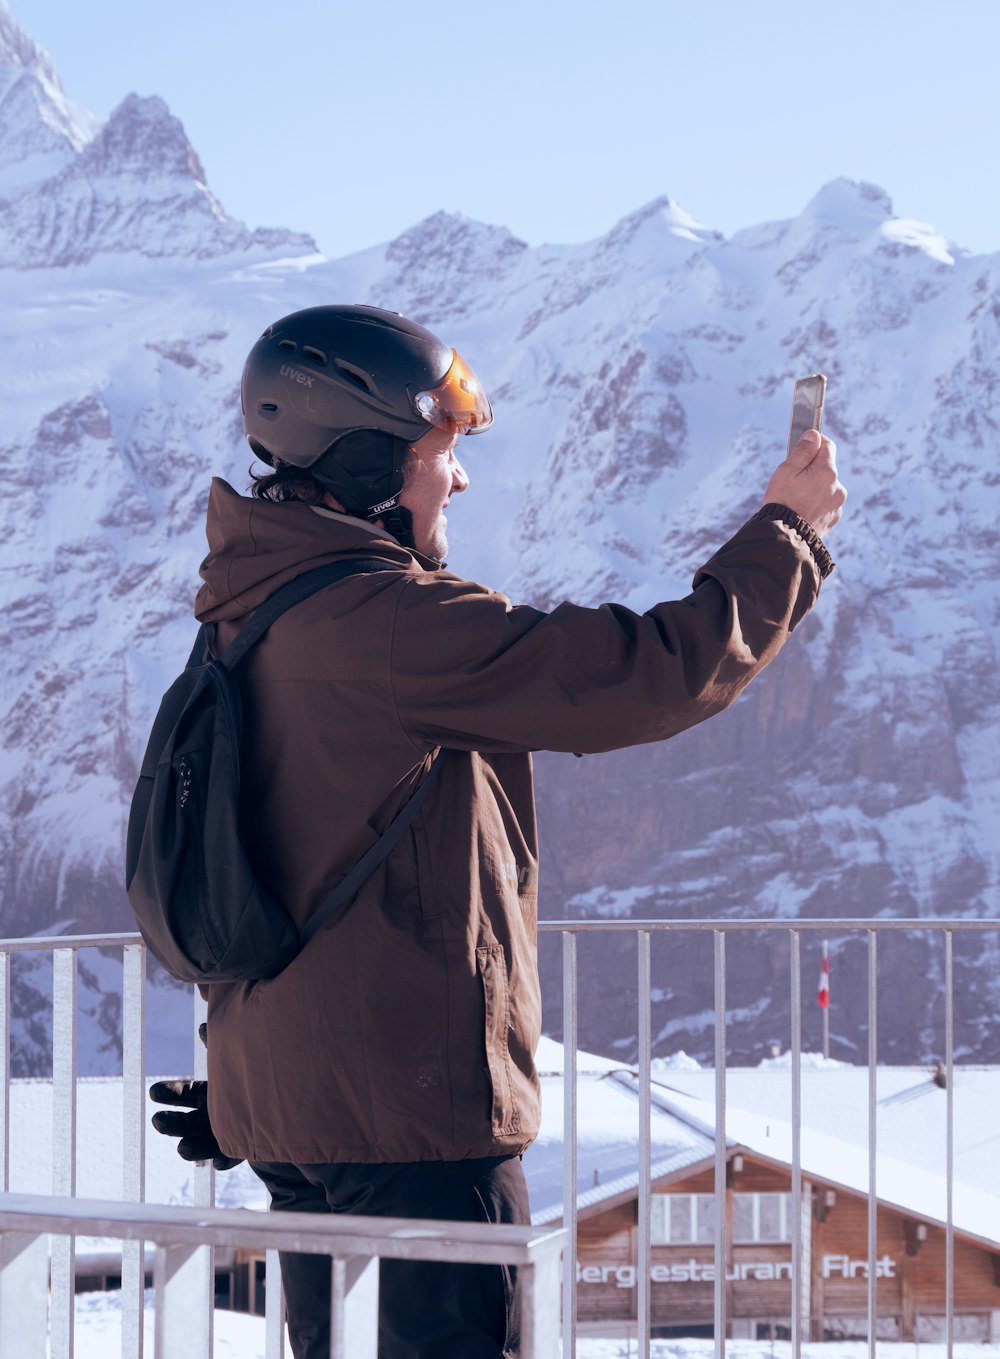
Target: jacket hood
column 255, row 546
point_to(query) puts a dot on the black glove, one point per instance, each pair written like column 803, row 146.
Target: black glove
column 197, row 1140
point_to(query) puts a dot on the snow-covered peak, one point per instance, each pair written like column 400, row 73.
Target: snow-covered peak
column 459, row 238
column 445, row 262
column 853, row 205
column 40, row 128
column 72, row 187
column 666, row 217
column 17, row 49
column 905, row 232
column 143, row 140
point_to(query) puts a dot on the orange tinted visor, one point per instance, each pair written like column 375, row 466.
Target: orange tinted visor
column 458, row 402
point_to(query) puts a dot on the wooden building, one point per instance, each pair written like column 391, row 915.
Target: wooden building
column 910, row 1186
column 909, row 1263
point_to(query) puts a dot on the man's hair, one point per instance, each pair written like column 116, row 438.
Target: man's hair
column 287, row 482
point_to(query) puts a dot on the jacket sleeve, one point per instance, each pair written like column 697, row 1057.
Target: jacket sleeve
column 472, row 671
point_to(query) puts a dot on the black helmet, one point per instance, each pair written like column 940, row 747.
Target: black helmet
column 344, row 391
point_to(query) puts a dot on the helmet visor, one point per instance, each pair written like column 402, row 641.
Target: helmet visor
column 458, row 402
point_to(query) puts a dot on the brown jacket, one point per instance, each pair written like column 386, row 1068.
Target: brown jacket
column 406, row 1030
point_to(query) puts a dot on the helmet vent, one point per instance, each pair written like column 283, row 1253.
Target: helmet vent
column 312, row 353
column 357, row 376
column 288, row 344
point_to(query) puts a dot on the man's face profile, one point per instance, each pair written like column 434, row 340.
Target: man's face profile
column 434, row 475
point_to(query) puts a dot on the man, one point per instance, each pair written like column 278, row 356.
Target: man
column 389, row 1069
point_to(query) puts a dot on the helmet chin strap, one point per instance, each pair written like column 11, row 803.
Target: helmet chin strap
column 399, row 522
column 355, row 497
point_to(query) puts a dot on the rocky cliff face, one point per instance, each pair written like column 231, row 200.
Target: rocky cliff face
column 641, row 385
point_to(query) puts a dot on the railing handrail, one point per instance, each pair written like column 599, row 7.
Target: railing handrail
column 830, row 925
column 49, row 942
column 44, row 943
column 329, row 1234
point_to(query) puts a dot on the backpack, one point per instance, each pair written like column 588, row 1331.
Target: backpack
column 199, row 907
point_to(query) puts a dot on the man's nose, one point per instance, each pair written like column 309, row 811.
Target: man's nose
column 459, row 476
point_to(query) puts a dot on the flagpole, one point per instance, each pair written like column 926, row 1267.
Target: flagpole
column 826, row 1007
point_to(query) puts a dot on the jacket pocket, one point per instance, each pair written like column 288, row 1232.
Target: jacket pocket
column 492, row 968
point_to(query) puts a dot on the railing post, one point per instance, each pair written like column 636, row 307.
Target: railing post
column 182, row 1309
column 274, row 1308
column 569, row 1143
column 800, row 1296
column 643, row 1313
column 185, row 1275
column 354, row 1308
column 24, row 1295
column 5, row 1070
column 133, row 1140
column 63, row 1143
column 720, row 1144
column 539, row 1287
column 949, row 1057
column 872, row 1139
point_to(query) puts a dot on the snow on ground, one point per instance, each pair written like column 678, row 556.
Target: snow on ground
column 99, row 1329
column 237, row 1336
column 689, row 1348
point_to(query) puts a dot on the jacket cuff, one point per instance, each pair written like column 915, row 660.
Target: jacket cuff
column 824, row 562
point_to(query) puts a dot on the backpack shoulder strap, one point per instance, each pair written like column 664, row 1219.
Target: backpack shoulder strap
column 350, row 886
column 257, row 624
column 293, row 593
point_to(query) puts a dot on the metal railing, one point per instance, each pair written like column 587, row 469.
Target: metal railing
column 37, row 1280
column 64, row 951
column 355, row 1245
column 793, row 929
column 184, row 1276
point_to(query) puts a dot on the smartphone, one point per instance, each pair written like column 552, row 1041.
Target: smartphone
column 807, row 407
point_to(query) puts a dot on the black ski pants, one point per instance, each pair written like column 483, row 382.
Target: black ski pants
column 427, row 1310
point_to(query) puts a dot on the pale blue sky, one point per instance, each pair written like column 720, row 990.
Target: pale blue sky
column 555, row 119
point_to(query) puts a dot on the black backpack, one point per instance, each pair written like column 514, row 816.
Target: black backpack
column 198, row 905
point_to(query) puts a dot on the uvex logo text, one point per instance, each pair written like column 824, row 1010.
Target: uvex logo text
column 296, row 375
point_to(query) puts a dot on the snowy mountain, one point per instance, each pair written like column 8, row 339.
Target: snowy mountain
column 641, row 385
column 72, row 187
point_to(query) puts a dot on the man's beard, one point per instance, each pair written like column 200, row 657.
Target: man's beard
column 436, row 542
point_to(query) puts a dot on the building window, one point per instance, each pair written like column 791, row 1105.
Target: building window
column 689, row 1219
column 683, row 1219
column 972, row 1327
column 856, row 1328
column 773, row 1329
column 761, row 1217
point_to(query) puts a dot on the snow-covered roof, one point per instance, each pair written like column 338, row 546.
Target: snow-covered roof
column 911, row 1109
column 607, row 1136
column 832, row 1160
column 910, row 1132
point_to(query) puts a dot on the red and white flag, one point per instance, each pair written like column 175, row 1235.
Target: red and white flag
column 824, row 979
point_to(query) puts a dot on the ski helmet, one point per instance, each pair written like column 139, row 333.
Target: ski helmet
column 345, row 390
